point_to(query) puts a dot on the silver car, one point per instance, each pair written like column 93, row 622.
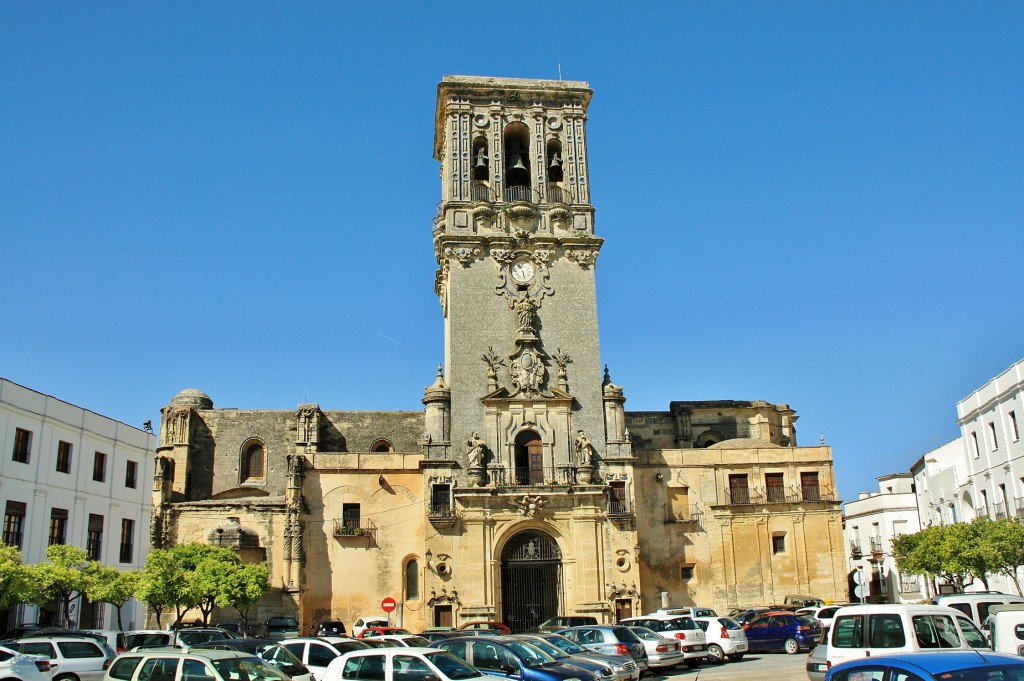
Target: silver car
column 610, row 639
column 662, row 652
column 623, row 666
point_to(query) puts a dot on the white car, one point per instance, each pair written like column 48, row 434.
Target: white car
column 316, row 653
column 725, row 638
column 372, row 621
column 405, row 640
column 396, row 664
column 14, row 665
column 823, row 614
column 71, row 659
column 691, row 637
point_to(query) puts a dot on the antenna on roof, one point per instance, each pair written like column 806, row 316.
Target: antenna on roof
column 559, row 70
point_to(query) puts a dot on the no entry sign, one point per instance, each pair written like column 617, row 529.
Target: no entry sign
column 388, row 604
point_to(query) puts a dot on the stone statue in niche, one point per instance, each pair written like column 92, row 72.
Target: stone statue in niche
column 476, row 448
column 584, row 449
column 526, row 313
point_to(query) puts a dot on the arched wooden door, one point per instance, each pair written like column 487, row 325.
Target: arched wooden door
column 529, row 458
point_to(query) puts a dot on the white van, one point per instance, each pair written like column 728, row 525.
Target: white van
column 975, row 605
column 869, row 630
column 1005, row 625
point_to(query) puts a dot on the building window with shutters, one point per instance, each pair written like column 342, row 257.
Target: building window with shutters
column 14, row 523
column 775, row 487
column 254, row 462
column 22, row 445
column 131, row 471
column 99, row 467
column 58, row 526
column 94, row 539
column 64, row 457
column 127, row 540
column 809, row 487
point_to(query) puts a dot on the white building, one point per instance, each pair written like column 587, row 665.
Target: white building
column 71, row 476
column 940, row 476
column 990, row 422
column 871, row 523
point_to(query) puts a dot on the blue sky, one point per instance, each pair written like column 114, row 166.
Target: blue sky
column 814, row 203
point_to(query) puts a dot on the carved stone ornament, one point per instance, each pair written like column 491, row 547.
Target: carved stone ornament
column 464, row 254
column 528, row 506
column 527, row 372
column 584, row 257
column 502, row 256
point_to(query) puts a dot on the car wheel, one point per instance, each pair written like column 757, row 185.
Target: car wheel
column 692, row 663
column 792, row 647
column 715, row 654
column 65, row 677
column 736, row 657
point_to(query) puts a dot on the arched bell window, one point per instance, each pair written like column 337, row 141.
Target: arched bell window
column 481, row 160
column 517, row 161
column 382, row 446
column 554, row 161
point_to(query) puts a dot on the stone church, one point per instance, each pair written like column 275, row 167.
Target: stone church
column 523, row 489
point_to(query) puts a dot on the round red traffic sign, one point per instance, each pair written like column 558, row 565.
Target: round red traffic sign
column 388, row 604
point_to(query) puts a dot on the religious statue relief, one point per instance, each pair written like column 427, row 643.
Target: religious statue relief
column 476, row 449
column 584, row 449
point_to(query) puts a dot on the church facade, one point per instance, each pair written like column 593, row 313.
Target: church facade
column 523, row 489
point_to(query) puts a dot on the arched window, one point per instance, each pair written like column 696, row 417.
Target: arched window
column 382, row 446
column 517, row 162
column 254, row 462
column 529, row 458
column 412, row 580
column 554, row 163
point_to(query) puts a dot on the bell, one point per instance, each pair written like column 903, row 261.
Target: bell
column 518, row 165
column 556, row 161
column 481, row 159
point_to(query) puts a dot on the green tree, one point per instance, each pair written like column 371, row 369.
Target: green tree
column 160, row 583
column 243, row 588
column 62, row 578
column 110, row 585
column 207, row 568
column 14, row 583
column 1004, row 546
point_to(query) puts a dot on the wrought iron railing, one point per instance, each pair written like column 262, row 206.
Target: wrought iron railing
column 909, row 584
column 441, row 513
column 855, row 550
column 558, row 194
column 1019, row 504
column 364, row 528
column 519, row 193
column 999, row 510
column 738, row 496
column 481, row 192
column 619, row 507
column 533, row 477
column 982, row 510
column 438, row 213
column 876, row 545
column 692, row 514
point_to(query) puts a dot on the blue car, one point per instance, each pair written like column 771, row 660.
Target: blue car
column 506, row 656
column 782, row 632
column 955, row 665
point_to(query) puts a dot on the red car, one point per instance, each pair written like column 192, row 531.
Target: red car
column 494, row 626
column 370, row 632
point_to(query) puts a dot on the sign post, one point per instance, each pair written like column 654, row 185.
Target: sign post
column 388, row 605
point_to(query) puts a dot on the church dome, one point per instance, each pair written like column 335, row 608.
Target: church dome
column 744, row 443
column 190, row 397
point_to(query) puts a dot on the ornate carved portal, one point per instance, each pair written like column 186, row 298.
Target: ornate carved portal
column 531, row 580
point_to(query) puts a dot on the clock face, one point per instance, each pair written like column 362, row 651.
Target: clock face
column 522, row 271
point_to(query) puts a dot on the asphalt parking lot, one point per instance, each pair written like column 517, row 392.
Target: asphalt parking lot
column 753, row 667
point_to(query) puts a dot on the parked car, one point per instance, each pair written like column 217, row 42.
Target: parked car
column 662, row 652
column 112, row 637
column 202, row 665
column 823, row 614
column 953, row 665
column 439, row 634
column 317, row 652
column 329, row 628
column 406, row 640
column 687, row 612
column 872, row 630
column 20, row 631
column 610, row 639
column 508, row 657
column 691, row 637
column 725, row 638
column 178, row 638
column 71, row 659
column 20, row 667
column 372, row 621
column 402, row 664
column 553, row 624
column 267, row 650
column 817, row 660
column 782, row 631
column 743, row 616
column 235, row 627
column 623, row 665
column 493, row 626
column 975, row 605
column 371, row 632
column 280, row 628
column 600, row 670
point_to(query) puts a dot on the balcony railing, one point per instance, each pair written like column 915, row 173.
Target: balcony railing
column 909, row 584
column 441, row 514
column 519, row 193
column 533, row 477
column 481, row 192
column 999, row 510
column 692, row 514
column 740, row 496
column 982, row 510
column 876, row 545
column 1019, row 507
column 559, row 195
column 364, row 528
column 438, row 213
column 855, row 550
column 619, row 508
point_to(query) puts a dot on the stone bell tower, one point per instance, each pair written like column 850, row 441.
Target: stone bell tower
column 516, row 252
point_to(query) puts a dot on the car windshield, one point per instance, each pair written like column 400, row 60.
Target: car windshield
column 1003, row 672
column 283, row 623
column 451, row 666
column 531, row 655
column 645, row 633
column 191, row 638
column 808, row 620
column 626, row 635
column 273, row 653
column 417, row 642
column 565, row 645
column 248, row 669
column 551, row 650
column 729, row 623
